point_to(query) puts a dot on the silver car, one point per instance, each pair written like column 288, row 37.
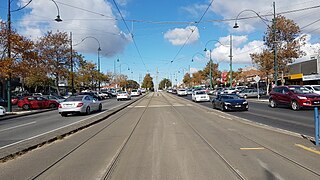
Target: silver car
column 79, row 104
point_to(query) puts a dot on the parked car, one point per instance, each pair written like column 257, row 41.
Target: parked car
column 201, row 95
column 2, row 111
column 59, row 99
column 135, row 92
column 102, row 95
column 93, row 94
column 296, row 97
column 313, row 88
column 34, row 102
column 189, row 91
column 15, row 99
column 79, row 104
column 182, row 92
column 123, row 95
column 230, row 102
column 250, row 92
column 3, row 102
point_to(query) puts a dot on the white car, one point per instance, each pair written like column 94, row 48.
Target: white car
column 79, row 104
column 313, row 88
column 135, row 92
column 123, row 95
column 201, row 95
column 2, row 111
column 182, row 92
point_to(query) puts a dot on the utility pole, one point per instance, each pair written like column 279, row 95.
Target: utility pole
column 275, row 45
column 157, row 85
column 71, row 65
column 230, row 61
column 9, row 56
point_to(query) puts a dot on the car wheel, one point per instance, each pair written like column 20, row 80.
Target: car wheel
column 88, row 110
column 295, row 106
column 64, row 114
column 100, row 108
column 223, row 108
column 52, row 105
column 213, row 106
column 26, row 107
column 272, row 103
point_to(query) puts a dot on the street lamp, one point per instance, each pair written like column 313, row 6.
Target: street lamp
column 58, row 19
column 210, row 72
column 274, row 36
column 99, row 49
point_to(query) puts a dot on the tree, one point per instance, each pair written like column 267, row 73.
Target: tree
column 54, row 49
column 214, row 71
column 198, row 77
column 187, row 79
column 132, row 84
column 288, row 43
column 164, row 83
column 147, row 82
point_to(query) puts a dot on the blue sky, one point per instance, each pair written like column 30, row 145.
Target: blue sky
column 159, row 30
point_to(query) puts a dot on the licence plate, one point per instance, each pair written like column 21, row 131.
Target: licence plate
column 316, row 102
column 237, row 106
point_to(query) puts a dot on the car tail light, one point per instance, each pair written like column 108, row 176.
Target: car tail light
column 60, row 106
column 79, row 104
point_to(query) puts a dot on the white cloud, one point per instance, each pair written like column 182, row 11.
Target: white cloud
column 179, row 36
column 101, row 24
column 230, row 9
column 309, row 49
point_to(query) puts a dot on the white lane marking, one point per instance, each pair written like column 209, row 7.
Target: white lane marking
column 47, row 132
column 225, row 117
column 21, row 125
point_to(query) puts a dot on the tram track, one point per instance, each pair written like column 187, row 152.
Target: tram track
column 270, row 149
column 112, row 164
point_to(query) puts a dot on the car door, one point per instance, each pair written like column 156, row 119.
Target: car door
column 284, row 96
column 34, row 103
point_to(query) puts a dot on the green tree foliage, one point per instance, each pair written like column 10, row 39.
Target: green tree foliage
column 147, row 82
column 132, row 84
column 214, row 70
column 54, row 49
column 165, row 83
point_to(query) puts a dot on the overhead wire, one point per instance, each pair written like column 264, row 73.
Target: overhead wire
column 196, row 26
column 133, row 39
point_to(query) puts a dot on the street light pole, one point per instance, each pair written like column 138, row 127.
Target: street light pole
column 58, row 19
column 230, row 61
column 71, row 65
column 210, row 73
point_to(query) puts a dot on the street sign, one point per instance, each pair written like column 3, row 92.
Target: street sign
column 257, row 78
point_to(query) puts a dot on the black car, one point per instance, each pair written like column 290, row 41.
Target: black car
column 94, row 95
column 3, row 102
column 229, row 102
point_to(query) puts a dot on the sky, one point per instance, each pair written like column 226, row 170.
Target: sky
column 165, row 38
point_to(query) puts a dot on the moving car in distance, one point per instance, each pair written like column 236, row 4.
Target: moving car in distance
column 200, row 95
column 296, row 97
column 135, row 92
column 182, row 92
column 230, row 102
column 2, row 111
column 250, row 92
column 84, row 104
column 33, row 102
column 123, row 95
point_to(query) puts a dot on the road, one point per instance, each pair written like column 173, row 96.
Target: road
column 18, row 129
column 301, row 122
column 166, row 137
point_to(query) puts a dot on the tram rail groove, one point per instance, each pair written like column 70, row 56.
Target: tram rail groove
column 273, row 151
column 236, row 172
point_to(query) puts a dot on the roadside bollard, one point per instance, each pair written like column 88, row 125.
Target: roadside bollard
column 316, row 126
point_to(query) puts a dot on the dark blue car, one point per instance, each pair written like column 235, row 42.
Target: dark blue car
column 230, row 102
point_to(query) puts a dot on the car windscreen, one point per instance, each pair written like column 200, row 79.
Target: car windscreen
column 74, row 98
column 200, row 92
column 299, row 90
column 317, row 88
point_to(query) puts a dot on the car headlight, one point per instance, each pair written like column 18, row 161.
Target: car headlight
column 302, row 97
column 226, row 103
column 245, row 102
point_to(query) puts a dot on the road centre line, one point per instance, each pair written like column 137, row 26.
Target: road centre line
column 21, row 125
column 308, row 149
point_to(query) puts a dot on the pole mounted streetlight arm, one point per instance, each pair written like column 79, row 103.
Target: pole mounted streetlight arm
column 99, row 48
column 196, row 54
column 250, row 10
column 205, row 48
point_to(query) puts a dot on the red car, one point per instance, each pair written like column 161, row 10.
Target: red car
column 32, row 102
column 294, row 96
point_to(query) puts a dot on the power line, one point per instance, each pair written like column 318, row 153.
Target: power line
column 133, row 39
column 196, row 26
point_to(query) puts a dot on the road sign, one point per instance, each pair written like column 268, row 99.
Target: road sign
column 257, row 78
